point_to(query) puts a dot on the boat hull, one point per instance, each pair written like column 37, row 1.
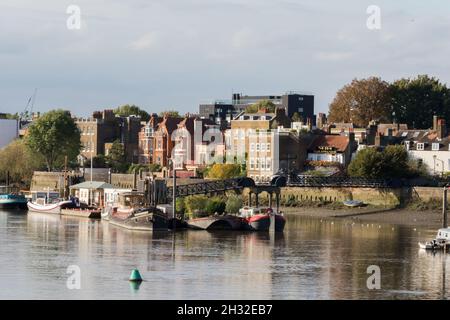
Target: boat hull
column 49, row 208
column 13, row 205
column 262, row 223
column 215, row 223
column 142, row 221
column 258, row 222
column 85, row 213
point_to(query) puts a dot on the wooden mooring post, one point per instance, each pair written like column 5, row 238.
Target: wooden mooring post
column 444, row 207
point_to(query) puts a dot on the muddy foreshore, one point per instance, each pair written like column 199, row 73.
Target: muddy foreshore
column 404, row 216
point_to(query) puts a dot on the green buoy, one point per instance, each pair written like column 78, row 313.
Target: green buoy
column 135, row 276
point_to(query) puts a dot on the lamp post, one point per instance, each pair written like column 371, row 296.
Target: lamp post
column 174, row 193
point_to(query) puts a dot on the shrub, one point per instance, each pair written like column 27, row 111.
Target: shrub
column 233, row 204
column 214, row 205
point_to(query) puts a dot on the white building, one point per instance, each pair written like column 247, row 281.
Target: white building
column 430, row 146
column 9, row 129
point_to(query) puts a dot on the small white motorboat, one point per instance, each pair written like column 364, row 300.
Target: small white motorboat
column 353, row 203
column 442, row 238
column 428, row 245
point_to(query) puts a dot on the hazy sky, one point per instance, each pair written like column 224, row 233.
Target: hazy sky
column 174, row 54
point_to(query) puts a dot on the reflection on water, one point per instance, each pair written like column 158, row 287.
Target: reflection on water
column 313, row 259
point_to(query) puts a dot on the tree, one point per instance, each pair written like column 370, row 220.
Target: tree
column 170, row 113
column 54, row 136
column 361, row 101
column 414, row 101
column 296, row 117
column 233, row 204
column 268, row 105
column 392, row 162
column 20, row 162
column 116, row 157
column 225, row 171
column 99, row 161
column 132, row 110
column 154, row 167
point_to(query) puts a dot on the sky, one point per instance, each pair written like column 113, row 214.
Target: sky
column 175, row 54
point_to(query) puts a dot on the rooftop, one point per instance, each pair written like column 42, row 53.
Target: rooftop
column 92, row 185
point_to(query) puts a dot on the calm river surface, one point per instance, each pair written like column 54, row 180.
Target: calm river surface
column 313, row 259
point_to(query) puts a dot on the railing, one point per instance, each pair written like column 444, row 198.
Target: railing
column 210, row 187
column 335, row 181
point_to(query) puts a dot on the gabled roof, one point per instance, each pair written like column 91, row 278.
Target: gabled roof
column 92, row 185
column 339, row 143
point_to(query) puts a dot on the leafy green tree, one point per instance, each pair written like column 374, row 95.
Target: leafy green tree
column 366, row 164
column 225, row 171
column 132, row 110
column 268, row 105
column 233, row 204
column 415, row 100
column 392, row 162
column 55, row 135
column 116, row 157
column 99, row 161
column 362, row 101
column 215, row 205
column 17, row 159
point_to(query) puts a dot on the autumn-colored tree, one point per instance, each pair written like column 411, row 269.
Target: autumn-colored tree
column 267, row 105
column 361, row 101
column 225, row 171
column 416, row 100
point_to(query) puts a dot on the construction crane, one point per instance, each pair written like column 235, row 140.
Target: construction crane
column 27, row 114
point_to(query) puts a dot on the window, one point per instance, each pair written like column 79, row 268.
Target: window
column 257, row 147
column 435, row 146
column 263, row 147
column 300, row 109
column 268, row 146
column 268, row 162
column 407, row 145
column 263, row 163
column 252, row 163
column 420, row 146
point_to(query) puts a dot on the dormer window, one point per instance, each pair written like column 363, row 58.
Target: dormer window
column 435, row 146
column 420, row 146
column 407, row 145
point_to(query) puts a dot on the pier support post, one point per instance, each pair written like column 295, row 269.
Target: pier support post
column 250, row 199
column 278, row 201
column 444, row 207
column 174, row 197
column 257, row 199
column 270, row 200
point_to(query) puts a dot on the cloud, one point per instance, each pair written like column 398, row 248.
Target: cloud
column 333, row 56
column 148, row 41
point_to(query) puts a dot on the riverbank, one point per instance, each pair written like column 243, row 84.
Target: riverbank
column 405, row 216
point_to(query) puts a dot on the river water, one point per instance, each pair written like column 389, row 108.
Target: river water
column 312, row 259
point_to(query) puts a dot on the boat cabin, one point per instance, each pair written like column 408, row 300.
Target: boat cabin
column 251, row 211
column 45, row 197
column 133, row 200
column 443, row 234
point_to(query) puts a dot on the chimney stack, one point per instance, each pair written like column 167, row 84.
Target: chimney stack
column 435, row 122
column 441, row 130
